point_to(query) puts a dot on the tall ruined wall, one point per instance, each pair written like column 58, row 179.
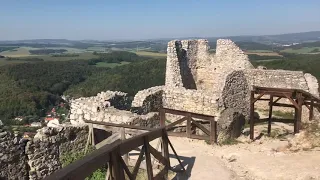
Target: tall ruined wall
column 189, row 100
column 13, row 161
column 229, row 57
column 187, row 61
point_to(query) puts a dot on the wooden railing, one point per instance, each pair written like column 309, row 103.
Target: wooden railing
column 111, row 156
column 210, row 134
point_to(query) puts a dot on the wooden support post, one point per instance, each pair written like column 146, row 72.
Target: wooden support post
column 123, row 137
column 165, row 152
column 188, row 125
column 252, row 115
column 92, row 135
column 270, row 114
column 311, row 110
column 117, row 169
column 148, row 159
column 295, row 120
column 162, row 118
column 213, row 131
column 299, row 113
column 175, row 153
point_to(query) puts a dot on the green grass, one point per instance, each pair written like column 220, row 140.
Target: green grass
column 110, row 65
column 304, row 50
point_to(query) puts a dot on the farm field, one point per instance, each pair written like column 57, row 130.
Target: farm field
column 150, row 54
column 270, row 53
column 304, row 50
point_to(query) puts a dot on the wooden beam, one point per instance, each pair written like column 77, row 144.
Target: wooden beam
column 158, row 156
column 119, row 125
column 311, row 115
column 175, row 153
column 117, row 168
column 205, row 130
column 165, row 152
column 148, row 159
column 188, row 125
column 138, row 162
column 176, row 122
column 277, row 100
column 252, row 116
column 114, row 137
column 291, row 100
column 256, row 99
column 283, row 105
column 123, row 137
column 275, row 120
column 162, row 118
column 184, row 113
column 270, row 114
column 213, row 132
column 126, row 169
column 299, row 115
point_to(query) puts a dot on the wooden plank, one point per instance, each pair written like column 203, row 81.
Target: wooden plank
column 291, row 100
column 299, row 115
column 275, row 120
column 148, row 159
column 176, row 122
column 256, row 99
column 119, row 125
column 283, row 105
column 161, row 175
column 252, row 116
column 158, row 155
column 184, row 113
column 205, row 130
column 117, row 169
column 137, row 165
column 136, row 141
column 162, row 118
column 114, row 137
column 311, row 115
column 188, row 125
column 126, row 169
column 127, row 130
column 165, row 152
column 123, row 137
column 175, row 153
column 213, row 132
column 277, row 99
column 270, row 114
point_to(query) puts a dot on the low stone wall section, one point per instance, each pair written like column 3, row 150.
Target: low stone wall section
column 148, row 100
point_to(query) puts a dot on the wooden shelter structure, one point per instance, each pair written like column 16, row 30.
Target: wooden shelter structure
column 297, row 98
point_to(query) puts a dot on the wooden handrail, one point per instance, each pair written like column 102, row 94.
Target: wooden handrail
column 98, row 158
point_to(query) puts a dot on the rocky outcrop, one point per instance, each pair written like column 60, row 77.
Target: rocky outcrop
column 312, row 84
column 230, row 125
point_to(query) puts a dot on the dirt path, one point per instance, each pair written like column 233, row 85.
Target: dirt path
column 202, row 164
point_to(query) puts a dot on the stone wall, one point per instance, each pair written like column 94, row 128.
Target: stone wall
column 189, row 100
column 13, row 161
column 148, row 100
column 41, row 156
column 312, row 84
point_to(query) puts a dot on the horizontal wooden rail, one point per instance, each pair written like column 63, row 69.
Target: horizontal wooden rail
column 120, row 125
column 184, row 113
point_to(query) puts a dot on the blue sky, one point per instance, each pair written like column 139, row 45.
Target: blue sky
column 144, row 19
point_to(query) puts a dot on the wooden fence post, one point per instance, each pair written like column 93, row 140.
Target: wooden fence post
column 311, row 110
column 162, row 118
column 213, row 131
column 252, row 115
column 188, row 130
column 123, row 137
column 270, row 114
column 165, row 152
column 148, row 159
